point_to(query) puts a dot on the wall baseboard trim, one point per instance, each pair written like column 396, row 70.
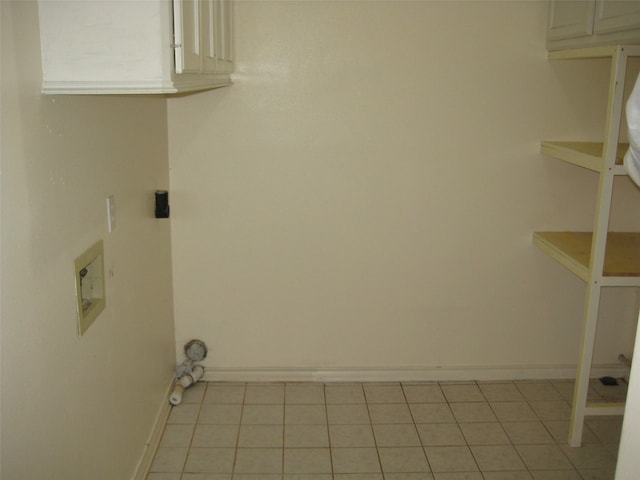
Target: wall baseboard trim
column 405, row 374
column 144, row 465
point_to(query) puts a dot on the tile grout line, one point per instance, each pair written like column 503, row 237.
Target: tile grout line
column 235, row 451
column 415, row 425
column 326, row 414
column 373, row 432
column 193, row 432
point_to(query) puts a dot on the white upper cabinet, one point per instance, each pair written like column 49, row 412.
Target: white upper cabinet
column 584, row 23
column 136, row 47
column 570, row 19
column 616, row 16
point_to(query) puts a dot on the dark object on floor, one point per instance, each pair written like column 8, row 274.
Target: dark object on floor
column 608, row 381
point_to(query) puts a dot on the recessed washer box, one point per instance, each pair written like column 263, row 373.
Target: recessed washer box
column 90, row 293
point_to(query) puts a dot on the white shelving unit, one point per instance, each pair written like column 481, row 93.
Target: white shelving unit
column 600, row 258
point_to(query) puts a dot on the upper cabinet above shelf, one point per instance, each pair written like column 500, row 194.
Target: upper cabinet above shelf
column 582, row 23
column 149, row 47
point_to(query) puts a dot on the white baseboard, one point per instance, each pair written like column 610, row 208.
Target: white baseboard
column 403, row 374
column 154, row 438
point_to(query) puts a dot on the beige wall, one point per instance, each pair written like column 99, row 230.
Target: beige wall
column 364, row 195
column 79, row 408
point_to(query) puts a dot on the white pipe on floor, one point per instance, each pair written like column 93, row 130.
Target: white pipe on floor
column 185, row 382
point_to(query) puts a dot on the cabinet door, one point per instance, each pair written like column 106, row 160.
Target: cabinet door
column 186, row 25
column 570, row 19
column 616, row 15
column 208, row 35
column 224, row 36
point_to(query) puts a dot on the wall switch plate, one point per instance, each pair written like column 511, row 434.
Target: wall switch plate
column 111, row 213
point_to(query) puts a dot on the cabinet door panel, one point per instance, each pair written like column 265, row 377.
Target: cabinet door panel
column 186, row 17
column 208, row 35
column 616, row 15
column 224, row 36
column 570, row 19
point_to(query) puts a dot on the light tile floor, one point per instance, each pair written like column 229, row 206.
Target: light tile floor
column 385, row 431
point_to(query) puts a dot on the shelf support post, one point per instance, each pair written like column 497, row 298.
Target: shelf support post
column 598, row 245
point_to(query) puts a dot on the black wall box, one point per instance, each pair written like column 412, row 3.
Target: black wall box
column 162, row 204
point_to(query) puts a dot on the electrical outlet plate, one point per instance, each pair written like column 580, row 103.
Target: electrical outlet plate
column 90, row 293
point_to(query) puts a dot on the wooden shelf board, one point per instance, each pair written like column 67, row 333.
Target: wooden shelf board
column 584, row 154
column 573, row 251
column 604, row 408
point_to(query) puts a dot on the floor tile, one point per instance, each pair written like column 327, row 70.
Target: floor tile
column 259, row 460
column 176, row 436
column 213, row 460
column 606, row 429
column 305, row 436
column 519, row 475
column 307, row 460
column 384, row 393
column 450, row 459
column 535, row 390
column 186, row 413
column 440, row 434
column 484, row 433
column 544, row 457
column 589, row 457
column 351, row 436
column 169, row 460
column 305, row 415
column 264, row 393
column 409, row 476
column 355, row 460
column 431, row 413
column 473, row 412
column 304, row 393
column 304, row 476
column 220, row 414
column 501, row 392
column 551, row 410
column 497, row 458
column 403, row 459
column 163, row 476
column 423, row 393
column 353, row 414
column 357, row 476
column 598, row 474
column 565, row 389
column 458, row 476
column 527, row 433
column 215, row 436
column 559, row 430
column 263, row 414
column 513, row 411
column 344, row 393
column 260, row 436
column 390, row 413
column 557, row 475
column 463, row 393
column 233, row 394
column 396, row 435
column 207, row 476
